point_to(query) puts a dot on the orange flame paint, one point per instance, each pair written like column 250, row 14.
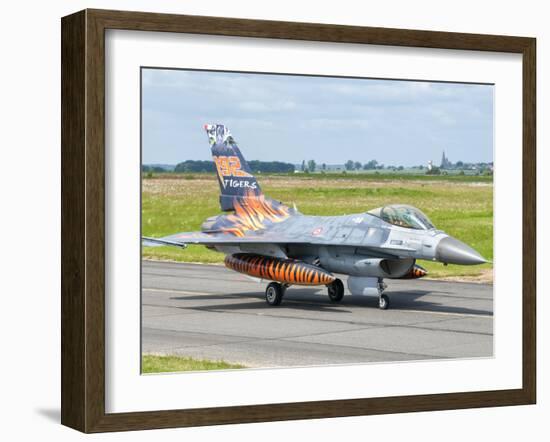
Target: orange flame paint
column 252, row 213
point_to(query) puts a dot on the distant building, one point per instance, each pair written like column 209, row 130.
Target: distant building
column 328, row 168
column 445, row 163
column 430, row 165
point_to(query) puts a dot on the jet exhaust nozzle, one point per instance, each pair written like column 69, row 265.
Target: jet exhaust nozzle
column 452, row 251
column 286, row 271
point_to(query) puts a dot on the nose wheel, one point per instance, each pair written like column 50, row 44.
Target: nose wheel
column 383, row 300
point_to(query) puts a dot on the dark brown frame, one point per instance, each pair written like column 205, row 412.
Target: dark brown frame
column 83, row 216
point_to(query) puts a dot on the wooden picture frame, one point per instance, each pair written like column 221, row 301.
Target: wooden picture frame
column 83, row 220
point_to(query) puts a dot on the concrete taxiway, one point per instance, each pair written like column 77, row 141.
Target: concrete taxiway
column 208, row 311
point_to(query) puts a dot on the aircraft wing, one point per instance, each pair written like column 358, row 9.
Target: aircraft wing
column 213, row 239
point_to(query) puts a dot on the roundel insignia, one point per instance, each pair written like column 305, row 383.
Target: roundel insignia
column 317, row 231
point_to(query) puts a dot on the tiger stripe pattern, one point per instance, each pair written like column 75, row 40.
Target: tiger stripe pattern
column 415, row 272
column 286, row 271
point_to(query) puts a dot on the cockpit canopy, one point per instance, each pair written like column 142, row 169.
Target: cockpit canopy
column 403, row 216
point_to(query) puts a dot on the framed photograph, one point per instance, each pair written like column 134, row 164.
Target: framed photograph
column 267, row 221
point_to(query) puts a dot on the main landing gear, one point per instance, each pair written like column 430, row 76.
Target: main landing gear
column 274, row 293
column 336, row 290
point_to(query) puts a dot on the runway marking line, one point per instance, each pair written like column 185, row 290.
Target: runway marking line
column 467, row 315
column 183, row 292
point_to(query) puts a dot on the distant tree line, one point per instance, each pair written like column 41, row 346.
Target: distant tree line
column 271, row 166
column 195, row 166
column 356, row 165
column 156, row 169
column 255, row 165
column 310, row 166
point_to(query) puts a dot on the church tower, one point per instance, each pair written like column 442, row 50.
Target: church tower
column 445, row 163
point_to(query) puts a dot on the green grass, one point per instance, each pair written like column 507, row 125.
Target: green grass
column 167, row 364
column 462, row 206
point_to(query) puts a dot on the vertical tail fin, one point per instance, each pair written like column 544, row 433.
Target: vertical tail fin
column 234, row 174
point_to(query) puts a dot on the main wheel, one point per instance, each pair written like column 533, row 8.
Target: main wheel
column 274, row 293
column 336, row 290
column 383, row 302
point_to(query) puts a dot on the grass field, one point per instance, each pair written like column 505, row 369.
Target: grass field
column 460, row 205
column 167, row 364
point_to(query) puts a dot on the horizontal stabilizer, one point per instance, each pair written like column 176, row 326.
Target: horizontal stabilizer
column 156, row 242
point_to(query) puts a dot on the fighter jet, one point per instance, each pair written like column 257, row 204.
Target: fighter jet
column 268, row 240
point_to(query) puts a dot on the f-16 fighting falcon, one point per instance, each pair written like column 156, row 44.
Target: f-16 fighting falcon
column 266, row 239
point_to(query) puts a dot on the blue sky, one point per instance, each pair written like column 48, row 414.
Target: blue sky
column 331, row 120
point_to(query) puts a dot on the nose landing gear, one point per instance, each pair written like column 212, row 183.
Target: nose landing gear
column 369, row 286
column 383, row 300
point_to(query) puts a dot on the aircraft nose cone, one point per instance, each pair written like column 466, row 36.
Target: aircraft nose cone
column 452, row 251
